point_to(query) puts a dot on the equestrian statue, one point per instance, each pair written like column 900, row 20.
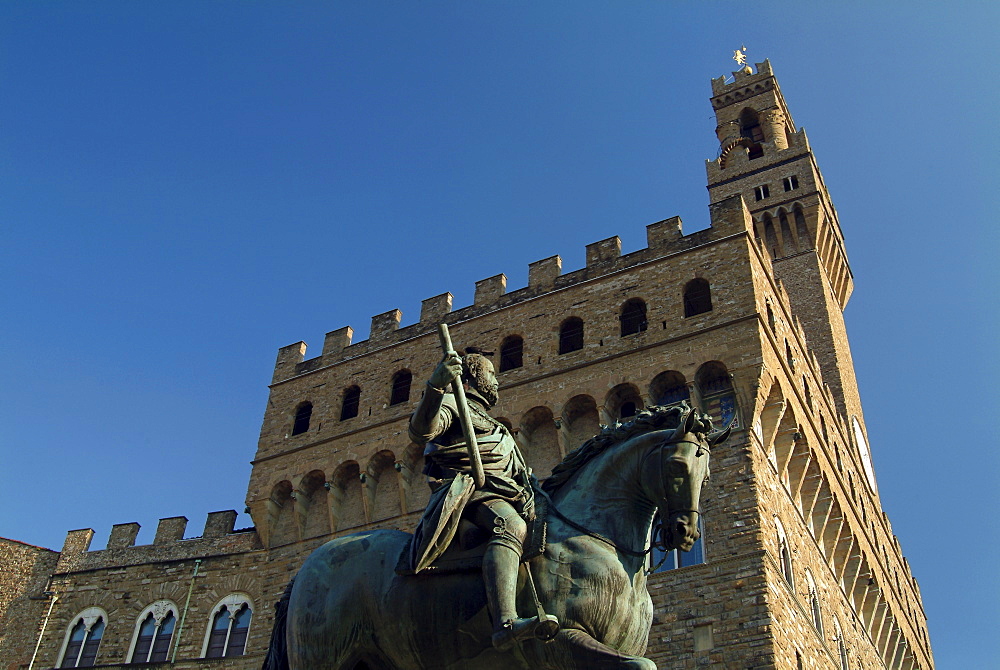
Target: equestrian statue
column 503, row 572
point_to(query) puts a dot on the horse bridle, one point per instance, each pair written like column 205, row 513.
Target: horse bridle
column 702, row 448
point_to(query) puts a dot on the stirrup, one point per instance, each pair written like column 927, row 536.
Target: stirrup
column 514, row 631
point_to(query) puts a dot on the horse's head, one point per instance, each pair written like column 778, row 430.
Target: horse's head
column 673, row 474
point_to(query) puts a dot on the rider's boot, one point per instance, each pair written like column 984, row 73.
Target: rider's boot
column 500, row 566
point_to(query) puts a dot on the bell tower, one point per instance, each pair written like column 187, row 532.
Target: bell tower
column 767, row 160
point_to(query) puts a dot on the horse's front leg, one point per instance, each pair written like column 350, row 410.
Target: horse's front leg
column 572, row 648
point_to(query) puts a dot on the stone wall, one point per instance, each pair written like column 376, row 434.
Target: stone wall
column 24, row 573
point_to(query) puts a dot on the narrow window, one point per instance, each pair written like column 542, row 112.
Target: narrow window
column 238, row 633
column 511, row 353
column 303, row 413
column 153, row 642
column 143, row 645
column 161, row 643
column 571, row 335
column 697, row 298
column 770, row 318
column 229, row 632
column 220, row 631
column 761, row 192
column 789, row 357
column 400, row 387
column 352, row 399
column 750, row 130
column 81, row 652
column 633, row 317
column 791, row 183
column 817, row 615
column 785, row 557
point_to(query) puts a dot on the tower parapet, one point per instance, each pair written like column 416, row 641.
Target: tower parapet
column 218, row 538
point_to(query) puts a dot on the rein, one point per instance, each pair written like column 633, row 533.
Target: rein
column 658, row 531
column 586, row 531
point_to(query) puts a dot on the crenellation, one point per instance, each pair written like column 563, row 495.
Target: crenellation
column 664, row 234
column 731, row 215
column 434, row 310
column 336, row 341
column 219, row 524
column 605, row 251
column 288, row 357
column 542, row 274
column 123, row 535
column 78, row 541
column 170, row 529
column 490, row 290
column 384, row 325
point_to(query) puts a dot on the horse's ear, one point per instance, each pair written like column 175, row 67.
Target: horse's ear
column 691, row 422
column 720, row 436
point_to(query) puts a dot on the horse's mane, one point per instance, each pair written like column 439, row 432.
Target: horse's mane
column 654, row 417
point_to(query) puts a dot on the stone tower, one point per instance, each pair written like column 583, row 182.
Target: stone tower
column 797, row 566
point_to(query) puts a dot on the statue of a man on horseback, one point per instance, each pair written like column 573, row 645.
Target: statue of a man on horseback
column 499, row 506
column 446, row 596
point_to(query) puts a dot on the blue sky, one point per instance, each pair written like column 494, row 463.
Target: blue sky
column 186, row 187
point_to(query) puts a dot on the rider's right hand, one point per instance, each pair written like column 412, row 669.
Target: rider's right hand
column 447, row 370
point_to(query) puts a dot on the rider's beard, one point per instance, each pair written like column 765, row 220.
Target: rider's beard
column 487, row 388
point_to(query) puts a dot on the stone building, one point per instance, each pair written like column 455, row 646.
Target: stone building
column 797, row 567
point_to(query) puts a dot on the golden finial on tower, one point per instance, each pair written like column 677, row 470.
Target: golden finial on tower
column 740, row 56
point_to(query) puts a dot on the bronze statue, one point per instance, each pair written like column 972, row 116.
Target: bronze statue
column 500, row 506
column 379, row 600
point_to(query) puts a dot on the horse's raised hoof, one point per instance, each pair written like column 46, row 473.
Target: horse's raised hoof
column 517, row 630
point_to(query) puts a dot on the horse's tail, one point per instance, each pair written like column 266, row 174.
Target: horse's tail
column 277, row 649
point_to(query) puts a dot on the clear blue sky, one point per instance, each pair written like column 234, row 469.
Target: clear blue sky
column 186, row 187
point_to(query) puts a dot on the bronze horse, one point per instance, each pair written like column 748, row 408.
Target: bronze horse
column 349, row 610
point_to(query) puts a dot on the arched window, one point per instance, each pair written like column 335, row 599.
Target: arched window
column 789, row 357
column 697, row 298
column 633, row 317
column 717, row 397
column 84, row 639
column 841, row 645
column 400, row 388
column 750, row 129
column 352, row 399
column 770, row 318
column 668, row 388
column 571, row 335
column 230, row 623
column 154, row 634
column 303, row 413
column 622, row 402
column 784, row 555
column 817, row 615
column 511, row 353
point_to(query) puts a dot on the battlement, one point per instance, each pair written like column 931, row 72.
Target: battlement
column 742, row 78
column 218, row 537
column 664, row 238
